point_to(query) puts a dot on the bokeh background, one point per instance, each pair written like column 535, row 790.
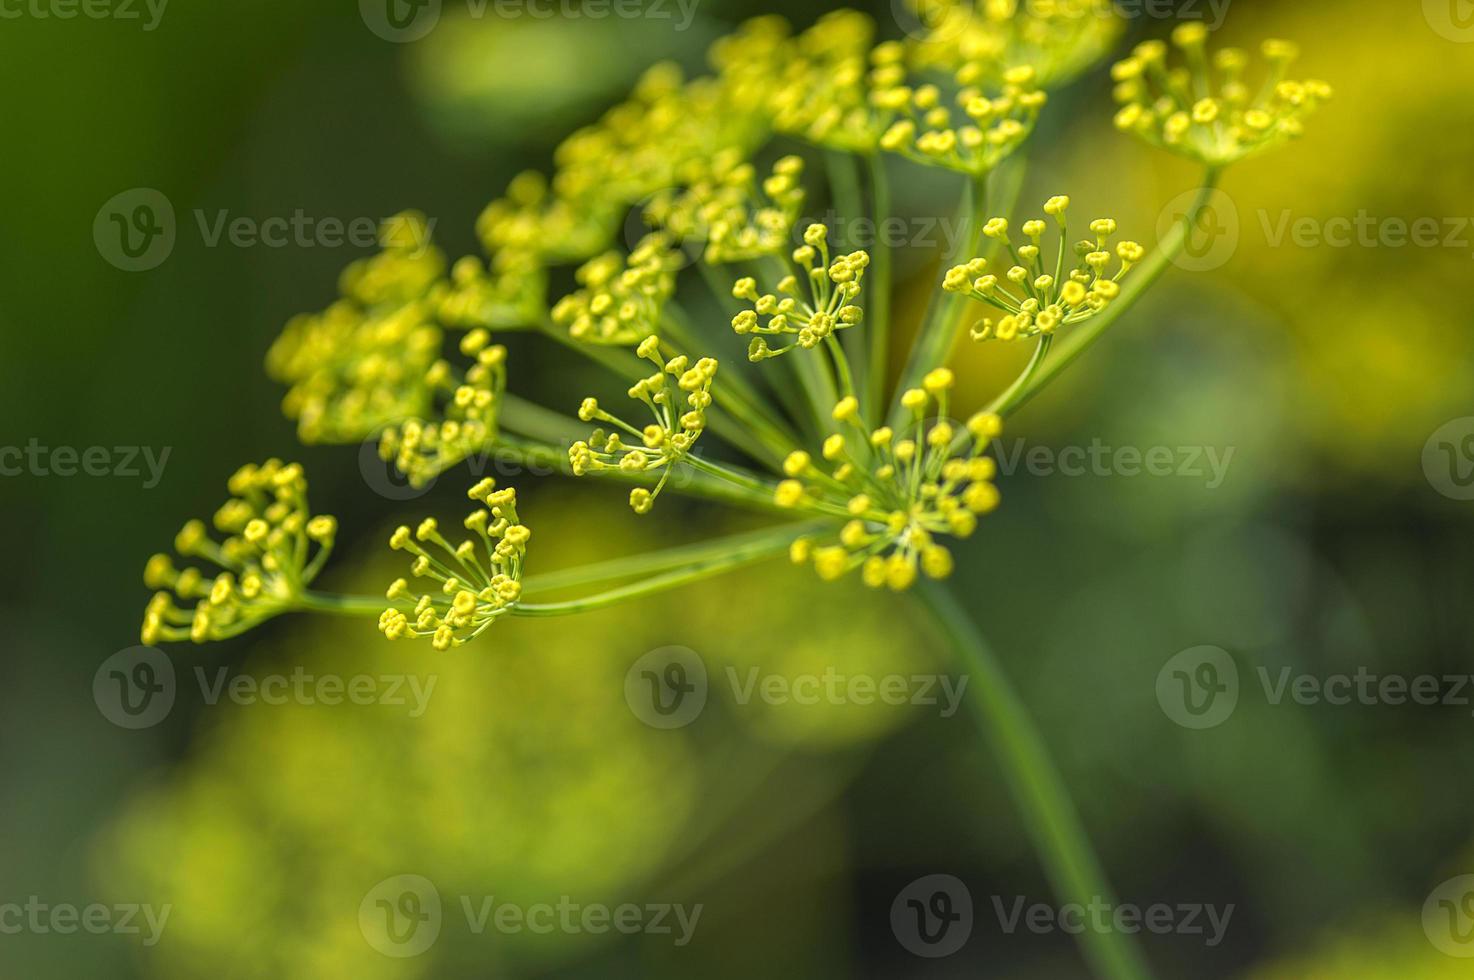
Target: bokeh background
column 1336, row 540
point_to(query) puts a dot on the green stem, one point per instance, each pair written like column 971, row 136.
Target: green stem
column 1005, row 402
column 1133, row 286
column 343, row 605
column 934, row 339
column 731, row 558
column 878, row 315
column 1037, row 787
column 663, row 560
column 528, row 419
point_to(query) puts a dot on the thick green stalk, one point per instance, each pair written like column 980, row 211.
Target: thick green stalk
column 1039, row 791
column 878, row 316
column 1077, row 340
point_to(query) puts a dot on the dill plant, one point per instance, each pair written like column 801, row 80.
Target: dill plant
column 876, row 479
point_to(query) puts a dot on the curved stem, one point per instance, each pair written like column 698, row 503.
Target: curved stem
column 1037, row 787
column 662, row 560
column 759, row 549
column 1005, row 402
column 1140, row 279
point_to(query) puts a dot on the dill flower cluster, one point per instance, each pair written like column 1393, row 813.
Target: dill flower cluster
column 272, row 550
column 1057, row 38
column 724, row 206
column 423, row 450
column 811, row 314
column 662, row 443
column 361, row 362
column 1209, row 111
column 901, row 488
column 1037, row 296
column 478, row 580
column 622, row 296
column 860, row 447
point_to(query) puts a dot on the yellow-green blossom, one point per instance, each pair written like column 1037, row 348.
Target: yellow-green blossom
column 477, row 581
column 984, row 39
column 901, row 489
column 663, row 443
column 990, row 129
column 724, row 206
column 622, row 296
column 1039, row 296
column 1212, row 112
column 272, row 551
column 467, row 424
column 361, row 362
column 811, row 313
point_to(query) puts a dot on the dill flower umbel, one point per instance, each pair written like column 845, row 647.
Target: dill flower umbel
column 724, row 206
column 1211, row 112
column 986, row 38
column 1038, row 296
column 272, row 551
column 902, row 489
column 423, row 450
column 663, row 443
column 812, row 314
column 622, row 296
column 362, row 361
column 479, row 580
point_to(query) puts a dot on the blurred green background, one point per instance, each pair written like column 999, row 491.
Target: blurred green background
column 1331, row 544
